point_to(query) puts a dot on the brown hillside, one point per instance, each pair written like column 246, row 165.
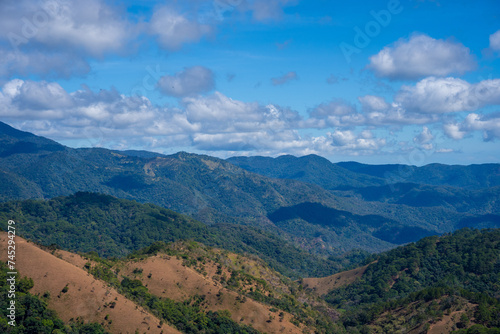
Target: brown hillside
column 86, row 297
column 321, row 286
column 166, row 276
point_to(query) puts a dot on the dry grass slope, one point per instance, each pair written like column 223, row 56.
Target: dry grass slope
column 86, row 297
column 165, row 276
column 321, row 286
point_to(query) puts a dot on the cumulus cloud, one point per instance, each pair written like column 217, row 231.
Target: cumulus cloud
column 365, row 141
column 91, row 26
column 55, row 37
column 375, row 112
column 337, row 113
column 453, row 131
column 422, row 56
column 213, row 123
column 445, row 95
column 46, row 64
column 190, row 81
column 218, row 108
column 424, row 138
column 489, row 125
column 278, row 81
column 495, row 41
column 173, row 29
column 43, row 95
column 373, row 103
column 59, row 38
column 68, row 115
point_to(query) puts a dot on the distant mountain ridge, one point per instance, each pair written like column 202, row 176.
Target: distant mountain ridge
column 464, row 176
column 251, row 190
column 318, row 170
column 474, row 189
column 310, row 168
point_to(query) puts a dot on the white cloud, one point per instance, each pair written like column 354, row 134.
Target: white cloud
column 424, row 138
column 334, row 108
column 445, row 95
column 422, row 56
column 489, row 125
column 495, row 41
column 174, row 29
column 55, row 37
column 396, row 115
column 348, row 140
column 373, row 103
column 445, row 150
column 376, row 112
column 337, row 113
column 213, row 123
column 41, row 63
column 216, row 109
column 41, row 95
column 453, row 131
column 190, row 81
column 69, row 114
column 284, row 78
column 91, row 26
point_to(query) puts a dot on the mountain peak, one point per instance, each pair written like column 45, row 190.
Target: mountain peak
column 14, row 141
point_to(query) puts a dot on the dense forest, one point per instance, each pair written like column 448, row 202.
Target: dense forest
column 87, row 222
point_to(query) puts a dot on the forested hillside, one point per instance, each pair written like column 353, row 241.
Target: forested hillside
column 437, row 285
column 352, row 206
column 109, row 226
column 422, row 282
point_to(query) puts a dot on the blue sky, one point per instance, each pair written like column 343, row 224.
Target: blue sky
column 412, row 82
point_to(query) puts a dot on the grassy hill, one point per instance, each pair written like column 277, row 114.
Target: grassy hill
column 437, row 285
column 180, row 287
column 77, row 298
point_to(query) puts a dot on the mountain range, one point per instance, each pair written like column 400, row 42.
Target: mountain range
column 192, row 243
column 324, row 208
